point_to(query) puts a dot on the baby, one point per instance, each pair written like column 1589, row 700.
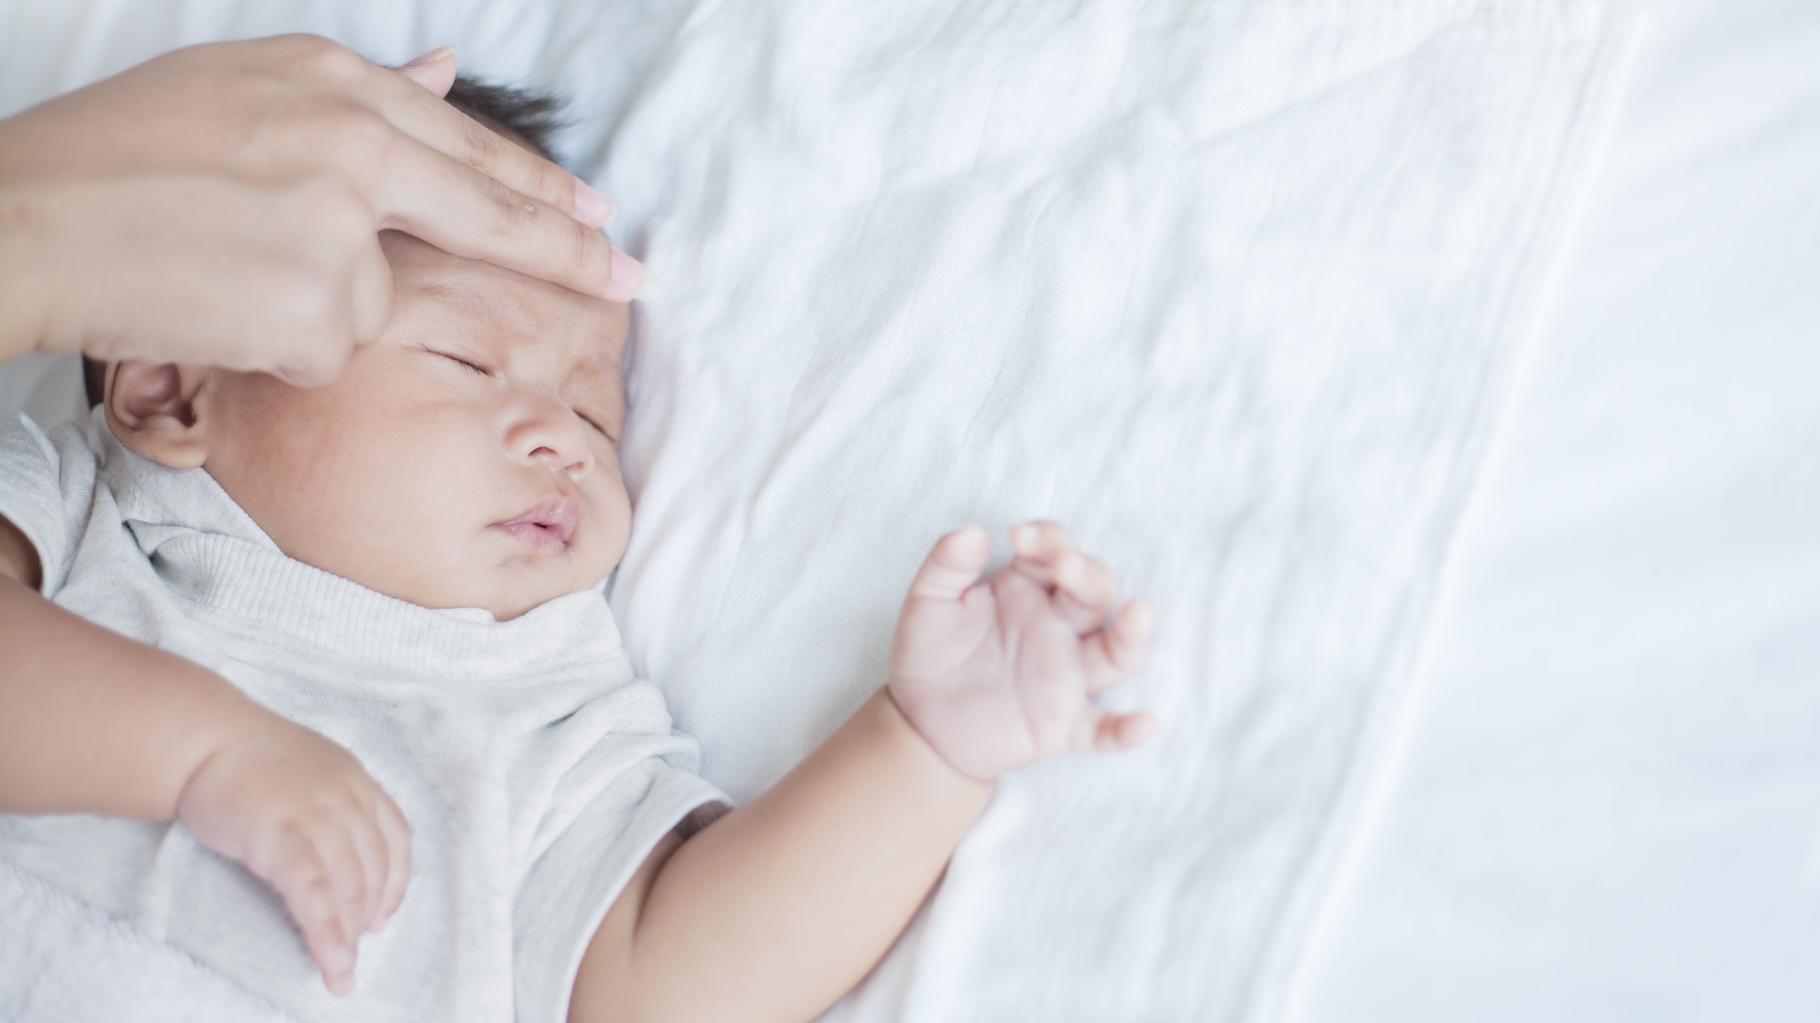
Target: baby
column 295, row 674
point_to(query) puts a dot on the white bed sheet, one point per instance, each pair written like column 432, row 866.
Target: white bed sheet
column 1609, row 807
column 1543, row 822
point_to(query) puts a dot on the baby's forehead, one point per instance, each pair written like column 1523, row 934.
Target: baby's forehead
column 489, row 303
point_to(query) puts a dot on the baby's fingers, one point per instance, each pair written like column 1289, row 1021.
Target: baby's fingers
column 1119, row 649
column 953, row 564
column 398, row 857
column 335, row 845
column 369, row 846
column 1036, row 544
column 1113, row 733
column 303, row 883
column 1085, row 591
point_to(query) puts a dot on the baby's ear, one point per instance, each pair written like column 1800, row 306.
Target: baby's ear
column 154, row 409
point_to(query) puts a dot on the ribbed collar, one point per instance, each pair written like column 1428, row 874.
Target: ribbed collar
column 213, row 557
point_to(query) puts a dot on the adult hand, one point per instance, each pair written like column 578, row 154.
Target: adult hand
column 221, row 205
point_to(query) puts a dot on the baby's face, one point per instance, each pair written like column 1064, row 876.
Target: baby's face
column 468, row 458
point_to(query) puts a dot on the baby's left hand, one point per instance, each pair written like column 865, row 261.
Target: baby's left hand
column 1001, row 673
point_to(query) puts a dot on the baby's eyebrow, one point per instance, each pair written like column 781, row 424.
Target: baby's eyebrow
column 473, row 304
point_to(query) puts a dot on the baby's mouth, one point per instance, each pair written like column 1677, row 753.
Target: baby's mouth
column 546, row 527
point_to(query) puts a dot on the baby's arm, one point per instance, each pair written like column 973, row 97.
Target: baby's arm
column 779, row 907
column 90, row 721
column 94, row 722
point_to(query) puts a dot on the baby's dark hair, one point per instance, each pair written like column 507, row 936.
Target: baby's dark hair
column 525, row 115
column 533, row 117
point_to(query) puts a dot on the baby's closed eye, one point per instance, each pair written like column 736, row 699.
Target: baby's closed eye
column 591, row 419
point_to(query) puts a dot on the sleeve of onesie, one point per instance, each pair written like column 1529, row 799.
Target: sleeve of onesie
column 47, row 484
column 624, row 779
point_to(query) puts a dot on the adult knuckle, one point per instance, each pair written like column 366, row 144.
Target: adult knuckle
column 479, row 146
column 588, row 251
column 553, row 184
column 333, row 211
column 327, row 57
column 297, row 48
column 301, row 292
column 357, row 139
column 511, row 217
column 313, row 125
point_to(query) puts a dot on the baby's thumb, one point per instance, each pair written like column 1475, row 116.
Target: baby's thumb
column 953, row 564
column 434, row 70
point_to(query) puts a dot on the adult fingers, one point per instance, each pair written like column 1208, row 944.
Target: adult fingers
column 1119, row 649
column 953, row 564
column 461, row 210
column 369, row 292
column 434, row 71
column 406, row 98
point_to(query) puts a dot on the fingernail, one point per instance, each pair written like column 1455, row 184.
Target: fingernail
column 593, row 207
column 431, row 57
column 627, row 277
column 1023, row 536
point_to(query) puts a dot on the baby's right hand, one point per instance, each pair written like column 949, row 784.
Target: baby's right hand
column 303, row 815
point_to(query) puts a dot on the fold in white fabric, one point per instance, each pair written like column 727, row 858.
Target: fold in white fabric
column 1235, row 291
column 82, row 965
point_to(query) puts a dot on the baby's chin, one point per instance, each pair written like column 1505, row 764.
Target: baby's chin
column 507, row 611
column 504, row 598
column 517, row 594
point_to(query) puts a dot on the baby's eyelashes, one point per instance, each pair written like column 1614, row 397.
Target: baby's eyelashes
column 591, row 420
column 469, row 363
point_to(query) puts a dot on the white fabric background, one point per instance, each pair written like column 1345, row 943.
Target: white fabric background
column 1609, row 806
column 1606, row 807
column 1230, row 290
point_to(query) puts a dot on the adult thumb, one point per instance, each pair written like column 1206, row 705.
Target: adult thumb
column 434, row 70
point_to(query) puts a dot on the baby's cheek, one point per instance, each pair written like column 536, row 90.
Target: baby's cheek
column 614, row 525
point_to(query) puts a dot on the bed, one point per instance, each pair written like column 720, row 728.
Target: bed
column 1444, row 370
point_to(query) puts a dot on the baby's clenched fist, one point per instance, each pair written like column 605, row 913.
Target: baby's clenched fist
column 303, row 815
column 999, row 673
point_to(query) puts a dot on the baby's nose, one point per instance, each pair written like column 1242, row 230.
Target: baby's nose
column 550, row 434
